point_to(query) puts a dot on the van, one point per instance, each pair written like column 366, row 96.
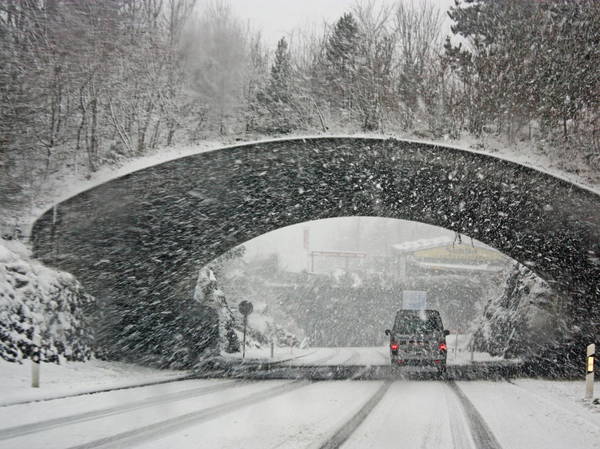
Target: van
column 418, row 338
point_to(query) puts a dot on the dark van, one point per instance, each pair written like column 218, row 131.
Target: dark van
column 418, row 338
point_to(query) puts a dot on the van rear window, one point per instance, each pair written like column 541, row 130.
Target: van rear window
column 417, row 322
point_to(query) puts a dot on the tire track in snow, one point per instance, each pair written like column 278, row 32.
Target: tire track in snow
column 480, row 431
column 459, row 425
column 140, row 435
column 345, row 431
column 291, row 359
column 320, row 360
column 101, row 390
column 27, row 429
column 354, row 357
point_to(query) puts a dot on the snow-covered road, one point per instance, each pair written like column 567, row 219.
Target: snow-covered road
column 364, row 356
column 222, row 413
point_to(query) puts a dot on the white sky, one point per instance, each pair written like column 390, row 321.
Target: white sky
column 365, row 234
column 277, row 18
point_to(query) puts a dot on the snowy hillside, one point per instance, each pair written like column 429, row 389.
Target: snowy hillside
column 36, row 300
column 523, row 319
column 261, row 327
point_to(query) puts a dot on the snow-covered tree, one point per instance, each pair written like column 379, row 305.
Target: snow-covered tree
column 217, row 334
column 339, row 69
column 279, row 111
column 37, row 302
column 525, row 318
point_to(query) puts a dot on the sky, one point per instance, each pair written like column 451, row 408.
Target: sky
column 371, row 235
column 278, row 18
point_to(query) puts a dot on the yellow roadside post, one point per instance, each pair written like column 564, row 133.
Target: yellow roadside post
column 589, row 368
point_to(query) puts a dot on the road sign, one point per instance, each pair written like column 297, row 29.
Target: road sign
column 414, row 299
column 245, row 308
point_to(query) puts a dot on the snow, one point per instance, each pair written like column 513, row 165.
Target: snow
column 38, row 301
column 35, row 412
column 531, row 415
column 412, row 414
column 294, row 420
column 117, row 421
column 465, row 267
column 568, row 394
column 361, row 356
column 72, row 378
column 422, row 421
column 258, row 354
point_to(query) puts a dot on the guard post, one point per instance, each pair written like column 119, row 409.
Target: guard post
column 36, row 357
column 589, row 368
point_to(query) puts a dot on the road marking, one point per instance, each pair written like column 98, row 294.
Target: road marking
column 26, row 429
column 344, row 432
column 142, row 434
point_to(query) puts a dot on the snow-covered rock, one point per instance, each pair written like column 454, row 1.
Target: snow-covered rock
column 40, row 304
column 523, row 319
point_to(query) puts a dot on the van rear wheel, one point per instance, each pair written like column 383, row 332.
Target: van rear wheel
column 442, row 372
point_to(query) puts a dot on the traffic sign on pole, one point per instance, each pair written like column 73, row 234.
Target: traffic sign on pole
column 245, row 308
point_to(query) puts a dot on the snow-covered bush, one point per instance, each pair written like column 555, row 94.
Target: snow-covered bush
column 36, row 300
column 521, row 321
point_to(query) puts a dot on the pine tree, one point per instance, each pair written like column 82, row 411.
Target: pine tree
column 527, row 60
column 340, row 62
column 278, row 112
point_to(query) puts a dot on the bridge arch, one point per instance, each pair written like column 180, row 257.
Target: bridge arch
column 131, row 236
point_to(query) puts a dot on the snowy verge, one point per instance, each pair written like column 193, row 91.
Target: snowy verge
column 263, row 354
column 568, row 394
column 74, row 378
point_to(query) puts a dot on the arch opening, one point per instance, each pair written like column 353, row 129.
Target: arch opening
column 337, row 283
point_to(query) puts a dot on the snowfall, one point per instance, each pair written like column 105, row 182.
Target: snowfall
column 106, row 404
column 96, row 404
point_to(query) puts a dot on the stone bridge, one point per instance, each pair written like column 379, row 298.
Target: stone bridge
column 145, row 235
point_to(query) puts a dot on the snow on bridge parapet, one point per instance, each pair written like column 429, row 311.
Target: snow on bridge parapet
column 68, row 185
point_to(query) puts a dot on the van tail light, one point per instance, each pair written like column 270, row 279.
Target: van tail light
column 442, row 346
column 394, row 346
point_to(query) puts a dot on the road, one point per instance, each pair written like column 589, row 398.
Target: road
column 236, row 414
column 367, row 356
